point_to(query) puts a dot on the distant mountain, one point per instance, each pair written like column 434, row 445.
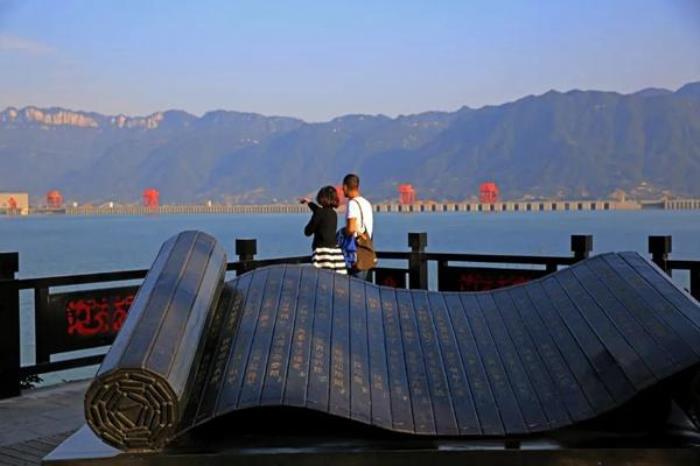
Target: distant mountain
column 573, row 144
column 691, row 90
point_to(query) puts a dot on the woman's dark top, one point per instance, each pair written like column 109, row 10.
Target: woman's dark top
column 322, row 225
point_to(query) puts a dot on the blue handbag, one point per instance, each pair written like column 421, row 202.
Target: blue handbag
column 348, row 244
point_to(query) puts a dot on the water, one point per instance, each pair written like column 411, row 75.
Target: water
column 68, row 245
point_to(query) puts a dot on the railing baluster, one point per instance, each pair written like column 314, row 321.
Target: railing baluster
column 441, row 265
column 41, row 332
column 695, row 282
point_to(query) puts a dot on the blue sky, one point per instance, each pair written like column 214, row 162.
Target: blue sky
column 321, row 59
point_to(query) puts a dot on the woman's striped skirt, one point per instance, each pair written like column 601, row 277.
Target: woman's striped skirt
column 329, row 258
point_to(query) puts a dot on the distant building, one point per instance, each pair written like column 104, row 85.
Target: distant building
column 54, row 199
column 151, row 198
column 488, row 193
column 407, row 194
column 14, row 203
column 618, row 195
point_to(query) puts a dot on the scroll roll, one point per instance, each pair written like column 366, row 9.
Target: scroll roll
column 139, row 394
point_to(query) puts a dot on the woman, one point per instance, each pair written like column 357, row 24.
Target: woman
column 323, row 224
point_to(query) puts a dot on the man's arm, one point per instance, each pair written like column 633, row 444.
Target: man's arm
column 351, row 226
column 351, row 222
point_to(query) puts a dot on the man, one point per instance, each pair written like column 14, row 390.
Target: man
column 358, row 215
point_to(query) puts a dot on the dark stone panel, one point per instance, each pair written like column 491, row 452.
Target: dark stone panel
column 380, row 395
column 203, row 377
column 423, row 417
column 527, row 399
column 620, row 349
column 236, row 366
column 458, row 384
column 584, row 371
column 445, row 420
column 360, row 391
column 526, row 349
column 298, row 371
column 234, row 300
column 561, row 372
column 262, row 340
column 511, row 412
column 401, row 409
column 474, row 368
column 682, row 301
column 605, row 365
column 339, row 397
column 319, row 384
column 656, row 312
column 278, row 361
column 644, row 345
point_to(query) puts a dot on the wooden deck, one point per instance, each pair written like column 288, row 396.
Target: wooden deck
column 35, row 423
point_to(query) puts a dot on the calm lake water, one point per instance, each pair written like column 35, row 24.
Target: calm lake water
column 67, row 245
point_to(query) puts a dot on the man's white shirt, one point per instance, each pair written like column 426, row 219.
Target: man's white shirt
column 353, row 211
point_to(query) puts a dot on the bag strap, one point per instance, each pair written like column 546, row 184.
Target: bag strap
column 362, row 218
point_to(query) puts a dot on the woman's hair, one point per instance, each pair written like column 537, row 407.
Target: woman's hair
column 328, row 197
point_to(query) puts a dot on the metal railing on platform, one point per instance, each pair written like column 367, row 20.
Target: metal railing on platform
column 70, row 321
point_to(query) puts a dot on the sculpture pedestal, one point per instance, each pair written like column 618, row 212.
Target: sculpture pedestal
column 85, row 449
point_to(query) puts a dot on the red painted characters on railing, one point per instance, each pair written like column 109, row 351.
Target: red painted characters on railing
column 87, row 317
column 475, row 281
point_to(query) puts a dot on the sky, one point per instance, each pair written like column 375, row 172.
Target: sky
column 320, row 59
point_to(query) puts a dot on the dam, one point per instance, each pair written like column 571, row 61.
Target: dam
column 381, row 207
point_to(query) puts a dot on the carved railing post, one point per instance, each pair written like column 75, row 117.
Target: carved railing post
column 659, row 248
column 417, row 262
column 581, row 246
column 9, row 326
column 246, row 249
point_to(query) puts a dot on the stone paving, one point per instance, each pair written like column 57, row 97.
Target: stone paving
column 35, row 423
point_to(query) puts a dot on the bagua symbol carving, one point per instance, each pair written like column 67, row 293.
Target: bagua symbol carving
column 90, row 317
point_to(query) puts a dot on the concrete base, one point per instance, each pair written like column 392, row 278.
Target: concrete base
column 84, row 448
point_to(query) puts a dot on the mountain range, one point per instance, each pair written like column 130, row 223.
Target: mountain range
column 576, row 144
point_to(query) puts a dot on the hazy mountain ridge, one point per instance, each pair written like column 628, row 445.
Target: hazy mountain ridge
column 571, row 144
